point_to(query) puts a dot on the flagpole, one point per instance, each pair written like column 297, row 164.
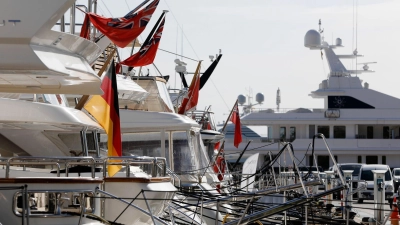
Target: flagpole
column 230, row 114
column 154, row 29
column 84, row 98
column 137, row 7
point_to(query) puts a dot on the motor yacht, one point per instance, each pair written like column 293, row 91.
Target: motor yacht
column 40, row 127
column 359, row 123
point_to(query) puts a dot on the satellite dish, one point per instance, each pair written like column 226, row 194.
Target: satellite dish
column 241, row 99
column 260, row 98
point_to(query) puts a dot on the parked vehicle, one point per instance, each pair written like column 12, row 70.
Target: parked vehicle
column 367, row 175
column 396, row 178
column 347, row 166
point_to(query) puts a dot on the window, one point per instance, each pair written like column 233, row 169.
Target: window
column 385, row 132
column 370, row 132
column 383, row 159
column 359, row 159
column 282, row 133
column 323, row 161
column 339, row 132
column 311, row 131
column 292, row 133
column 371, row 159
column 324, row 130
column 336, row 158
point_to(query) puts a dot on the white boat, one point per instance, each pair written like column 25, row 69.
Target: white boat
column 359, row 123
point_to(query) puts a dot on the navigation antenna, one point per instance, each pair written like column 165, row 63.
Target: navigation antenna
column 278, row 99
column 320, row 30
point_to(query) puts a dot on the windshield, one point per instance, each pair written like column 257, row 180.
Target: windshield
column 189, row 152
column 355, row 168
column 369, row 175
column 396, row 172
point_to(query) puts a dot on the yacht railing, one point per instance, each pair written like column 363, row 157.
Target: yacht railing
column 31, row 160
column 138, row 160
column 157, row 165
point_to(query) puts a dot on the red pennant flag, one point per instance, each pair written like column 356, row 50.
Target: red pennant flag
column 235, row 118
column 121, row 30
column 192, row 97
column 105, row 110
column 147, row 52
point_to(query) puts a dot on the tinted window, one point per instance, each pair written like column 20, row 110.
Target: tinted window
column 307, row 168
column 339, row 132
column 369, row 175
column 397, row 172
column 355, row 168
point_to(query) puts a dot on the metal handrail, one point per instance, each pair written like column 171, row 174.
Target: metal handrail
column 8, row 164
column 129, row 160
column 45, row 161
column 88, row 161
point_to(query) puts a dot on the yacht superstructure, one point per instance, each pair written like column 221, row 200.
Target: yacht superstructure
column 361, row 124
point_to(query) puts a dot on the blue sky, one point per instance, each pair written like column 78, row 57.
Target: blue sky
column 262, row 43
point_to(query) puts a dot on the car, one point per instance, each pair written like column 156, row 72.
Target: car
column 348, row 166
column 367, row 175
column 396, row 178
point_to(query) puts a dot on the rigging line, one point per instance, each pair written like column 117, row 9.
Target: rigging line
column 219, row 94
column 176, row 51
column 181, row 29
column 356, row 31
column 178, row 55
column 100, row 9
column 106, row 8
column 127, row 5
column 352, row 44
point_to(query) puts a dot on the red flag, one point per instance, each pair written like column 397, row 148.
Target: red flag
column 192, row 97
column 105, row 110
column 235, row 118
column 190, row 101
column 121, row 30
column 147, row 52
column 216, row 146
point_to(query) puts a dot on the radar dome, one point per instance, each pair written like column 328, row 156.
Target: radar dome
column 312, row 39
column 338, row 42
column 241, row 99
column 259, row 98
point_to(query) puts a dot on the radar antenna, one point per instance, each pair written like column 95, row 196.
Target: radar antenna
column 366, row 67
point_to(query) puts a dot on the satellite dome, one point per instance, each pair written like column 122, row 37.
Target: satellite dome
column 241, row 99
column 260, row 98
column 312, row 39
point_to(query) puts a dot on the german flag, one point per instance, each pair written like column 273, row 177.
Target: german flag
column 105, row 109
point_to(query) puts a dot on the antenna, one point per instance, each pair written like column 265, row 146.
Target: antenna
column 366, row 67
column 320, row 30
column 278, row 99
column 248, row 108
